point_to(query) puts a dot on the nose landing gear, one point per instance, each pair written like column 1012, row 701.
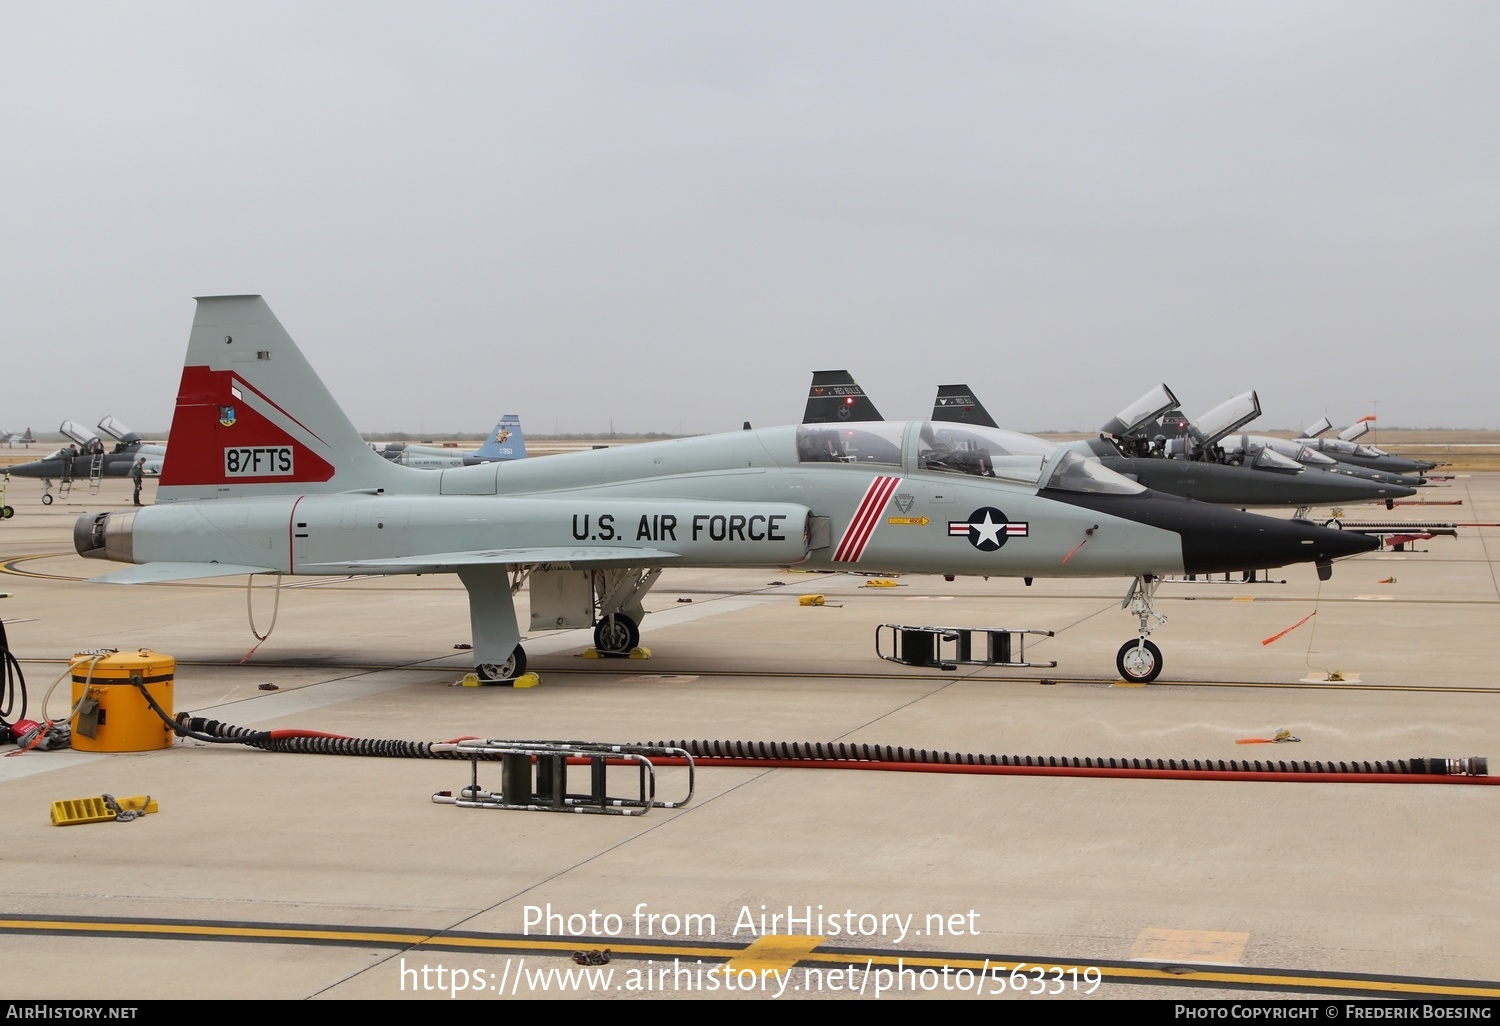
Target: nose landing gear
column 1140, row 661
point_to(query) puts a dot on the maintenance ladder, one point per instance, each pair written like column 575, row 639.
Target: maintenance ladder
column 946, row 648
column 534, row 777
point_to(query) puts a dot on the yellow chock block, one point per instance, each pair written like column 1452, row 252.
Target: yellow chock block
column 97, row 810
column 810, row 600
column 638, row 652
column 880, row 582
column 526, row 680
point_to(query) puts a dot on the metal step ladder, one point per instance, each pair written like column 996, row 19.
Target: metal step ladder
column 947, row 648
column 96, row 472
column 534, row 777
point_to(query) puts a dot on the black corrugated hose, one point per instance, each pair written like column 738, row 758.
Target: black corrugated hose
column 12, row 686
column 834, row 755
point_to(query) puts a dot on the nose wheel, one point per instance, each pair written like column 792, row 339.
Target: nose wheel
column 1139, row 661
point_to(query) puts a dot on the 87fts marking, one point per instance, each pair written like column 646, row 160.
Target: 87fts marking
column 258, row 461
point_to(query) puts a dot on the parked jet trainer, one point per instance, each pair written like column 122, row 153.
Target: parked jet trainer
column 267, row 475
column 504, row 443
column 1345, row 449
column 88, row 459
column 1193, row 465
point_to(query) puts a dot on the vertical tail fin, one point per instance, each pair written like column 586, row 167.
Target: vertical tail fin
column 253, row 418
column 956, row 404
column 835, row 397
column 506, row 442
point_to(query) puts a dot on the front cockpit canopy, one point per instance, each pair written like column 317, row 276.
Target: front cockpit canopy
column 1298, row 451
column 871, row 442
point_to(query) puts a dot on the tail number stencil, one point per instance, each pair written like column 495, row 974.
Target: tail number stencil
column 258, row 461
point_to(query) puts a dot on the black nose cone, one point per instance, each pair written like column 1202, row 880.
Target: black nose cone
column 1256, row 542
column 1219, row 540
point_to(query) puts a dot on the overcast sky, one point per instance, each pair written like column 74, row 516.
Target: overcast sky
column 664, row 216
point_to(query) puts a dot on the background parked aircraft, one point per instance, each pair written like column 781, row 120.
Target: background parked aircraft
column 1345, row 449
column 1170, row 432
column 287, row 486
column 1190, row 462
column 89, row 459
column 11, row 441
column 505, row 442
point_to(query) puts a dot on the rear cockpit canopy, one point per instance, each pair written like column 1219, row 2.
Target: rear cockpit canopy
column 118, row 431
column 1316, row 429
column 1149, row 407
column 1226, row 417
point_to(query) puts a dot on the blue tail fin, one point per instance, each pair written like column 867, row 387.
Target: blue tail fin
column 505, row 442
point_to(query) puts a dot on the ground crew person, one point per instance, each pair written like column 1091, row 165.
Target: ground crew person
column 136, row 473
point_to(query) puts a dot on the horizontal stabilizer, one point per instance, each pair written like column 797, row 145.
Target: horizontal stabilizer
column 440, row 562
column 156, row 573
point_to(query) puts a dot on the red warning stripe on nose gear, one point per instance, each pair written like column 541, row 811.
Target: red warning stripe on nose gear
column 866, row 519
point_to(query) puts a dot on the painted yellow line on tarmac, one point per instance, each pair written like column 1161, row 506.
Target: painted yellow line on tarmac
column 1039, row 975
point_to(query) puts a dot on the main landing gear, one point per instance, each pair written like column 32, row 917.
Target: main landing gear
column 508, row 670
column 616, row 595
column 1139, row 661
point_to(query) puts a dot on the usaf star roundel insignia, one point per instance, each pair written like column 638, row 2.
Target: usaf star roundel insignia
column 987, row 529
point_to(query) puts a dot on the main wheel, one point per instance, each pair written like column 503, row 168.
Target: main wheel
column 1139, row 662
column 46, row 498
column 508, row 670
column 616, row 635
column 6, row 512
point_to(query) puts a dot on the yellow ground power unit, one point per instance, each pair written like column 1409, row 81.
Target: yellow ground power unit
column 109, row 712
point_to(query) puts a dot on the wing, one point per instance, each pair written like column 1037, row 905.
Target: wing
column 156, row 573
column 431, row 563
column 446, row 562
